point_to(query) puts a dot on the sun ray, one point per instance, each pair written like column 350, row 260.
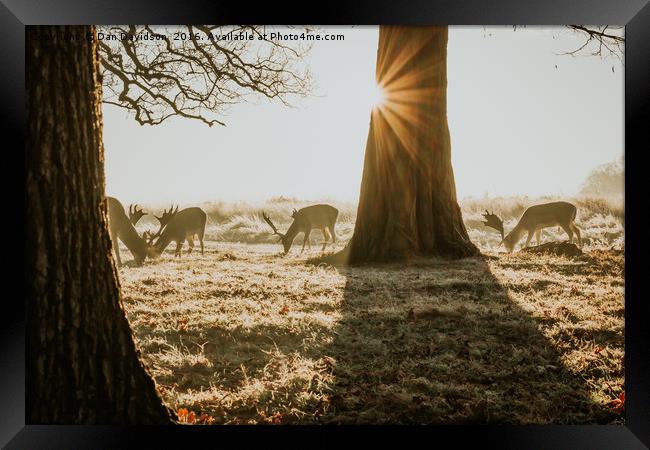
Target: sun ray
column 412, row 79
column 400, row 127
column 405, row 99
column 386, row 74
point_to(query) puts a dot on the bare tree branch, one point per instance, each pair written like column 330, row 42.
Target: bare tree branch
column 603, row 42
column 192, row 72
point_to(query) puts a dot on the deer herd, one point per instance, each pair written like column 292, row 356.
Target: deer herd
column 189, row 223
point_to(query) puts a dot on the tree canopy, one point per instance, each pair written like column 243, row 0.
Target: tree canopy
column 605, row 180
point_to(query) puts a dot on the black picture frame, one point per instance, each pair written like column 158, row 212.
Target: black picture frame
column 634, row 14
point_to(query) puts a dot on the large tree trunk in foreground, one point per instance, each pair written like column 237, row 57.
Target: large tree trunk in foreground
column 82, row 363
column 407, row 205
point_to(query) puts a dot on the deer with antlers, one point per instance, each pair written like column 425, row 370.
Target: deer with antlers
column 178, row 226
column 322, row 217
column 121, row 227
column 534, row 219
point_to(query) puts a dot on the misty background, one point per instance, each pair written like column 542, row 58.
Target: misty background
column 524, row 120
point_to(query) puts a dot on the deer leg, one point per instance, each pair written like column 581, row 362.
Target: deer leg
column 331, row 227
column 190, row 242
column 530, row 236
column 538, row 234
column 576, row 230
column 179, row 246
column 307, row 233
column 117, row 256
column 116, row 248
column 201, row 239
column 567, row 230
column 326, row 237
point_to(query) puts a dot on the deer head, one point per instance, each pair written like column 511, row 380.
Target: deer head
column 135, row 214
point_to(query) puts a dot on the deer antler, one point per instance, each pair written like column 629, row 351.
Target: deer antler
column 166, row 217
column 493, row 221
column 135, row 214
column 267, row 219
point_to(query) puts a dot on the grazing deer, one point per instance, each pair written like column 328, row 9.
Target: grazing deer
column 179, row 226
column 135, row 214
column 120, row 226
column 535, row 218
column 322, row 217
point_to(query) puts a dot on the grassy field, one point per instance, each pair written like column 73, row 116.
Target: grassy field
column 243, row 334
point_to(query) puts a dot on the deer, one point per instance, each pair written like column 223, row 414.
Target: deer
column 179, row 226
column 135, row 215
column 120, row 226
column 535, row 218
column 322, row 217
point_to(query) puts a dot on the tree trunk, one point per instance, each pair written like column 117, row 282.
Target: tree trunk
column 407, row 205
column 82, row 363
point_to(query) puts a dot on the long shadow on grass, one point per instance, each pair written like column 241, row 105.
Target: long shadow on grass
column 442, row 342
column 430, row 342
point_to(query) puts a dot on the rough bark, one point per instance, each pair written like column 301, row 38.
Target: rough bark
column 408, row 205
column 82, row 363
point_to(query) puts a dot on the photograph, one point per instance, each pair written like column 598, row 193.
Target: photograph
column 325, row 225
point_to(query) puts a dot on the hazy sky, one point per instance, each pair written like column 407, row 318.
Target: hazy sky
column 519, row 126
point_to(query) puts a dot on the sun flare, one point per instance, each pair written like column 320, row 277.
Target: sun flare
column 378, row 96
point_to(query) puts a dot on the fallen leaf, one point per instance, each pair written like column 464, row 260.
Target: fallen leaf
column 182, row 415
column 618, row 404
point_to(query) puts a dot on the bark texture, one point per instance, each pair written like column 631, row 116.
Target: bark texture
column 82, row 363
column 407, row 204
